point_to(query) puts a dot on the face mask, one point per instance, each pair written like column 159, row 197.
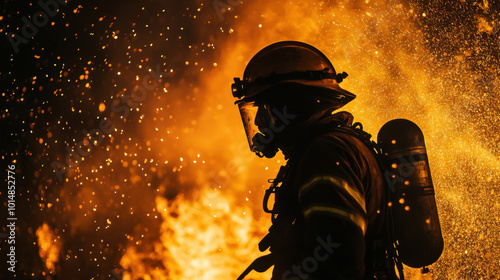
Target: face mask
column 261, row 128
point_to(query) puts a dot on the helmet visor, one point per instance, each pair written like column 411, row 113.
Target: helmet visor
column 257, row 120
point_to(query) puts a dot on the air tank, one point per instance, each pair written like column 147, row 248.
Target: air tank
column 407, row 173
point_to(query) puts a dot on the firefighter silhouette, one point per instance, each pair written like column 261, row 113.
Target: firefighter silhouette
column 330, row 206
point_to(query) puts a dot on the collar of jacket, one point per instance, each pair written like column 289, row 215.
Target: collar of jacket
column 326, row 123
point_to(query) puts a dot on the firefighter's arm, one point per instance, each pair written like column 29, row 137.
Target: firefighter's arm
column 331, row 198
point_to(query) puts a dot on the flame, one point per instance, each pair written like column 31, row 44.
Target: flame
column 198, row 239
column 49, row 247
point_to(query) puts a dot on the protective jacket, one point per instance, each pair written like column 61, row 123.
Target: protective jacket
column 329, row 211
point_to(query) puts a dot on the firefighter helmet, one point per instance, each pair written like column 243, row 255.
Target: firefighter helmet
column 290, row 62
column 284, row 65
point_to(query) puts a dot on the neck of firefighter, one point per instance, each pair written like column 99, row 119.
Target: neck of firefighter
column 287, row 143
column 290, row 138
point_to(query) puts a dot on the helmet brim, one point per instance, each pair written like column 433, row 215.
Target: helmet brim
column 324, row 89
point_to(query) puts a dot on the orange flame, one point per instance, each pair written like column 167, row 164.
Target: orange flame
column 201, row 239
column 49, row 247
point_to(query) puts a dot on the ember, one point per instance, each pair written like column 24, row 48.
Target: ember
column 168, row 189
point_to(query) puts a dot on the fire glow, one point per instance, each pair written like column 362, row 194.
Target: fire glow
column 174, row 193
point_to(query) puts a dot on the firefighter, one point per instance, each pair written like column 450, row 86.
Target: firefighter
column 329, row 202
